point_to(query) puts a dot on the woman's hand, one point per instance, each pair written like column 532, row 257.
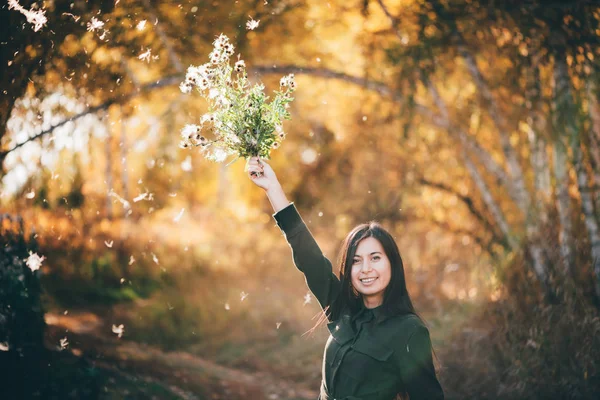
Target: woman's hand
column 261, row 173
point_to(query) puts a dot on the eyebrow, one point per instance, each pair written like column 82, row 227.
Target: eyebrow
column 375, row 252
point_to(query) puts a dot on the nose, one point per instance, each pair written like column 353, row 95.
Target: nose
column 366, row 266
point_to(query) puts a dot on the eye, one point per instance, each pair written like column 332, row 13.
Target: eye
column 376, row 258
column 355, row 261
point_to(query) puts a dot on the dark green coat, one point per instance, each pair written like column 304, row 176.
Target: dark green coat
column 368, row 356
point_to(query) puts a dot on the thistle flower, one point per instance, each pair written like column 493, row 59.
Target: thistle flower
column 221, row 41
column 189, row 131
column 185, row 87
column 239, row 66
column 241, row 119
column 207, row 118
column 288, row 81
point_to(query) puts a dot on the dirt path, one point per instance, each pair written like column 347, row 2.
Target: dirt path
column 184, row 375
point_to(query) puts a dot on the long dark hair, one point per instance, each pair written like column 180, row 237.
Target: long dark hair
column 396, row 300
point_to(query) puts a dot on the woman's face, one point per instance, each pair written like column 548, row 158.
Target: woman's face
column 371, row 271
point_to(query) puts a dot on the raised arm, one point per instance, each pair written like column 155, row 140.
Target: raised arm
column 307, row 255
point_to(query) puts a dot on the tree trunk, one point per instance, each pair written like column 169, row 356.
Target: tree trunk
column 514, row 168
column 594, row 138
column 563, row 109
column 539, row 163
column 587, row 205
column 563, row 206
column 537, row 144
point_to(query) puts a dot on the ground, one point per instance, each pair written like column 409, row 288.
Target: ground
column 140, row 371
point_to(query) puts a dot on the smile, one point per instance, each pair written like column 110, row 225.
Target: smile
column 367, row 281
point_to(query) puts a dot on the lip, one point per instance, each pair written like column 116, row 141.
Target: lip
column 368, row 283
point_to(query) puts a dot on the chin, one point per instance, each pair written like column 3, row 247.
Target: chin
column 370, row 292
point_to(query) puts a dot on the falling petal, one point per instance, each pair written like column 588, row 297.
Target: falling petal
column 145, row 56
column 75, row 17
column 186, row 165
column 154, row 258
column 227, row 306
column 178, row 216
column 4, row 346
column 131, row 260
column 121, row 200
column 34, row 262
column 307, row 298
column 243, row 296
column 252, row 24
column 109, row 244
column 94, row 24
column 35, row 17
column 118, row 330
column 140, row 197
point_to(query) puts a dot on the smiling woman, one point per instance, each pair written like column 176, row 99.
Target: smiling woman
column 378, row 348
column 371, row 272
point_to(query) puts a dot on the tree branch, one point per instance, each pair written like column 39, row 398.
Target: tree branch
column 168, row 81
column 470, row 205
column 490, row 202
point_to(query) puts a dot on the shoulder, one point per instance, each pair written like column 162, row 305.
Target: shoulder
column 406, row 322
column 408, row 330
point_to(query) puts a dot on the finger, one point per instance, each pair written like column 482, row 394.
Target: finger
column 255, row 171
column 255, row 168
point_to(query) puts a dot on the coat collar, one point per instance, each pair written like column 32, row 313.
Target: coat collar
column 377, row 312
column 342, row 330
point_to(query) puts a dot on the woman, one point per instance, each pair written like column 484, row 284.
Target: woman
column 378, row 347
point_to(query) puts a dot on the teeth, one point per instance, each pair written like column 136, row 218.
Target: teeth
column 368, row 280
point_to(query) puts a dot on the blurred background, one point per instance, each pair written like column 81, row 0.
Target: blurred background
column 469, row 128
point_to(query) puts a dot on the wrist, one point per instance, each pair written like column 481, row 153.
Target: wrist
column 274, row 187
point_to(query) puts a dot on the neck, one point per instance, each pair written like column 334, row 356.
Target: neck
column 371, row 302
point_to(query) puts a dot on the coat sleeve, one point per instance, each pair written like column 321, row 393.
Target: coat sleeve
column 307, row 256
column 415, row 363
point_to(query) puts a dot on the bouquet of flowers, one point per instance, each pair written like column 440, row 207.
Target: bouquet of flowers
column 239, row 121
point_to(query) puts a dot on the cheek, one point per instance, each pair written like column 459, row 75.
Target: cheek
column 385, row 272
column 354, row 272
